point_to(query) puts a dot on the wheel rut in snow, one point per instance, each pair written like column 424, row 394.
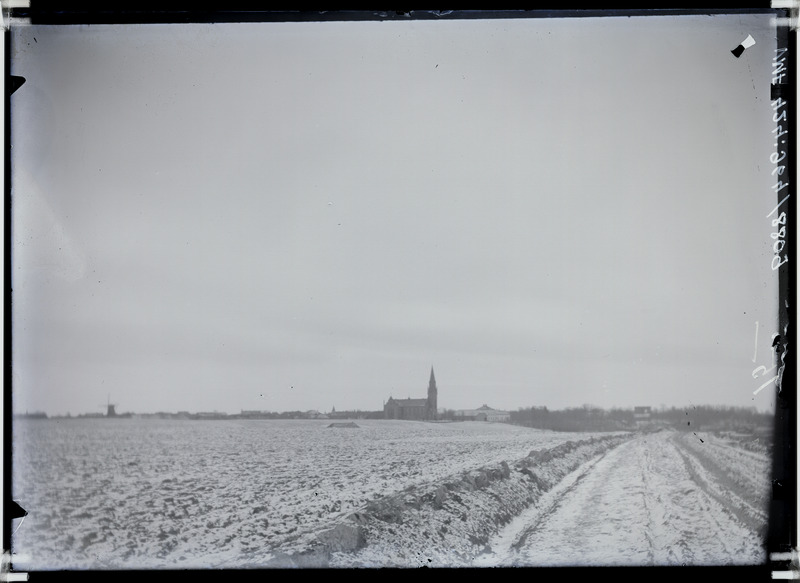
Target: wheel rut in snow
column 718, row 486
column 547, row 508
column 645, row 502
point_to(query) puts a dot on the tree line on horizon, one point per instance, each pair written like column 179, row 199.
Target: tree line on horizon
column 694, row 418
column 584, row 418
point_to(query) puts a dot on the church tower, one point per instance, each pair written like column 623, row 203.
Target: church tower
column 432, row 398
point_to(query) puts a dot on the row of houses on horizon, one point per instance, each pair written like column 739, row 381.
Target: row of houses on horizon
column 413, row 409
column 482, row 413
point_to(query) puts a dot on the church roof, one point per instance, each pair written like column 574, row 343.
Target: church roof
column 409, row 402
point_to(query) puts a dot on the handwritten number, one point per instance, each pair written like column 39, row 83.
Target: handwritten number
column 763, row 369
column 779, row 262
column 775, row 158
column 780, row 132
column 778, row 103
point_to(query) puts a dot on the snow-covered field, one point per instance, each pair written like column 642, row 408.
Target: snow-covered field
column 649, row 501
column 141, row 494
column 145, row 494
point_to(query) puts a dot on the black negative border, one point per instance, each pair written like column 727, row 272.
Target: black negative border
column 782, row 535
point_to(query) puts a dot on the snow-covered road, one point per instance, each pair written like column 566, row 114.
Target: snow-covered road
column 658, row 499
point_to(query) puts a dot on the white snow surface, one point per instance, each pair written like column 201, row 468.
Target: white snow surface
column 646, row 502
column 155, row 494
column 149, row 493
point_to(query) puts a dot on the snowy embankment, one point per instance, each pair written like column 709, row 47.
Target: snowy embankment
column 449, row 522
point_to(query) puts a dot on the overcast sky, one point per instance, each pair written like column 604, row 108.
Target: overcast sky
column 288, row 216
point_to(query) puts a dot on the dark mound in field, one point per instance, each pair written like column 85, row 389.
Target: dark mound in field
column 345, row 425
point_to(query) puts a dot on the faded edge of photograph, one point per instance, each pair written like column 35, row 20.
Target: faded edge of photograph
column 390, row 290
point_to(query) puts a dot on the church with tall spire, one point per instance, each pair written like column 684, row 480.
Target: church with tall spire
column 414, row 409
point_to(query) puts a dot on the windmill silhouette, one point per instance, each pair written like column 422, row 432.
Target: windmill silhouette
column 110, row 408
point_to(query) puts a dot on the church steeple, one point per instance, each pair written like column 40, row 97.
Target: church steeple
column 432, row 407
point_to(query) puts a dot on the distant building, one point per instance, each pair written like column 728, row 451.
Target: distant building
column 111, row 410
column 209, row 415
column 34, row 415
column 483, row 413
column 414, row 409
column 254, row 414
column 641, row 415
